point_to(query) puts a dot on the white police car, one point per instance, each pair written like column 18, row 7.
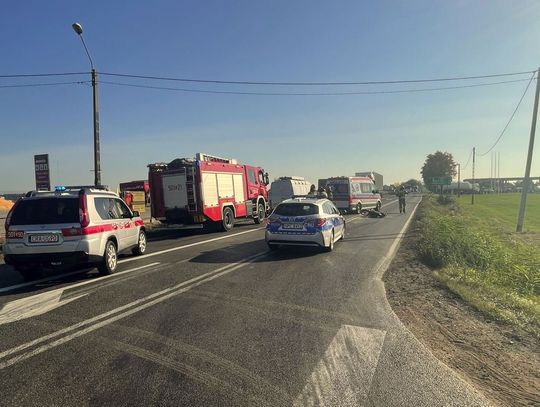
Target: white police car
column 305, row 221
column 69, row 226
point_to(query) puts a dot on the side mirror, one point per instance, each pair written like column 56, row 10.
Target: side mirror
column 136, row 214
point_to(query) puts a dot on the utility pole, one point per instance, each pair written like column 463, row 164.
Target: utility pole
column 473, row 163
column 499, row 189
column 458, row 180
column 491, row 172
column 527, row 178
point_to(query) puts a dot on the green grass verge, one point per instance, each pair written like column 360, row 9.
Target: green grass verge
column 477, row 255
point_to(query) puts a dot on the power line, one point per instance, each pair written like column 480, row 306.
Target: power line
column 511, row 117
column 468, row 160
column 308, row 93
column 35, row 75
column 458, row 78
column 31, row 85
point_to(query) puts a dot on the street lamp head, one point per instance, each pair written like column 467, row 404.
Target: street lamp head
column 77, row 28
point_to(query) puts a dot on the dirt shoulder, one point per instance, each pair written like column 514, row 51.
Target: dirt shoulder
column 500, row 360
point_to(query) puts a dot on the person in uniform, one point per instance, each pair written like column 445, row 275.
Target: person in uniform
column 329, row 193
column 401, row 198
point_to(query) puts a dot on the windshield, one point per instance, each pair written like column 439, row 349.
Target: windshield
column 296, row 209
column 339, row 188
column 46, row 211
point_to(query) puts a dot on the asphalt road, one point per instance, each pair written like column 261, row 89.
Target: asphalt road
column 218, row 320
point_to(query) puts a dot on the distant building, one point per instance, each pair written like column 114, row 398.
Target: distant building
column 378, row 178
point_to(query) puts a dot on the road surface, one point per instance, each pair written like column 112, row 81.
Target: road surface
column 218, row 320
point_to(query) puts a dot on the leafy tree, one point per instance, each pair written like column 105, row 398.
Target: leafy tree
column 438, row 164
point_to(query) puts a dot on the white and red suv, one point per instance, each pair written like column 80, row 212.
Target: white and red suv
column 70, row 226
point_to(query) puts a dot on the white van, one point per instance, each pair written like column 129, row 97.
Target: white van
column 353, row 194
column 285, row 188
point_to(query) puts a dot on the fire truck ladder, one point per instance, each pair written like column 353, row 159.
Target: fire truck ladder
column 190, row 187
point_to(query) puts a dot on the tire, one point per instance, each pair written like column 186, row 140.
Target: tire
column 261, row 213
column 273, row 247
column 141, row 244
column 227, row 222
column 109, row 263
column 330, row 247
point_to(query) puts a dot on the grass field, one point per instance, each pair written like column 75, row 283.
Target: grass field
column 501, row 212
column 477, row 253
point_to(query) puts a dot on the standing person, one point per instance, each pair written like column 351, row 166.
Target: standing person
column 328, row 190
column 322, row 193
column 312, row 190
column 401, row 198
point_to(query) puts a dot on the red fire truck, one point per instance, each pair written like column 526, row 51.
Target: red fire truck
column 207, row 190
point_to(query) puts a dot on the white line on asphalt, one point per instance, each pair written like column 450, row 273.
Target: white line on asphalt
column 44, row 302
column 385, row 261
column 59, row 276
column 42, row 280
column 133, row 307
column 189, row 245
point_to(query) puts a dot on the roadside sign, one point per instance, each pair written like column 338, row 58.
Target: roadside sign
column 441, row 180
column 41, row 166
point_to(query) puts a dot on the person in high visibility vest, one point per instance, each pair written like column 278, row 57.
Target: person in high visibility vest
column 401, row 198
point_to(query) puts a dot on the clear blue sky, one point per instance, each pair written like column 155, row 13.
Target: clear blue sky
column 316, row 137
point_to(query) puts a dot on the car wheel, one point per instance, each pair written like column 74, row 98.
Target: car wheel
column 330, row 247
column 260, row 213
column 110, row 259
column 228, row 219
column 141, row 244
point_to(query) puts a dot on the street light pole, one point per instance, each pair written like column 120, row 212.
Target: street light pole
column 97, row 155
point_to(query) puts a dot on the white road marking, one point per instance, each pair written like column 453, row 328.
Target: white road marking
column 42, row 280
column 135, row 258
column 173, row 249
column 385, row 261
column 343, row 376
column 33, row 306
column 92, row 324
column 44, row 302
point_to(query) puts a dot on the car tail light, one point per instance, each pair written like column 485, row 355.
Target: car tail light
column 273, row 221
column 10, row 215
column 83, row 210
column 317, row 223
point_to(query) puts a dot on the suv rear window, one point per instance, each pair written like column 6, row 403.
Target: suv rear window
column 46, row 211
column 296, row 209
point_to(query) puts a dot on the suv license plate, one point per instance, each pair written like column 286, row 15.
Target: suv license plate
column 44, row 238
column 293, row 226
